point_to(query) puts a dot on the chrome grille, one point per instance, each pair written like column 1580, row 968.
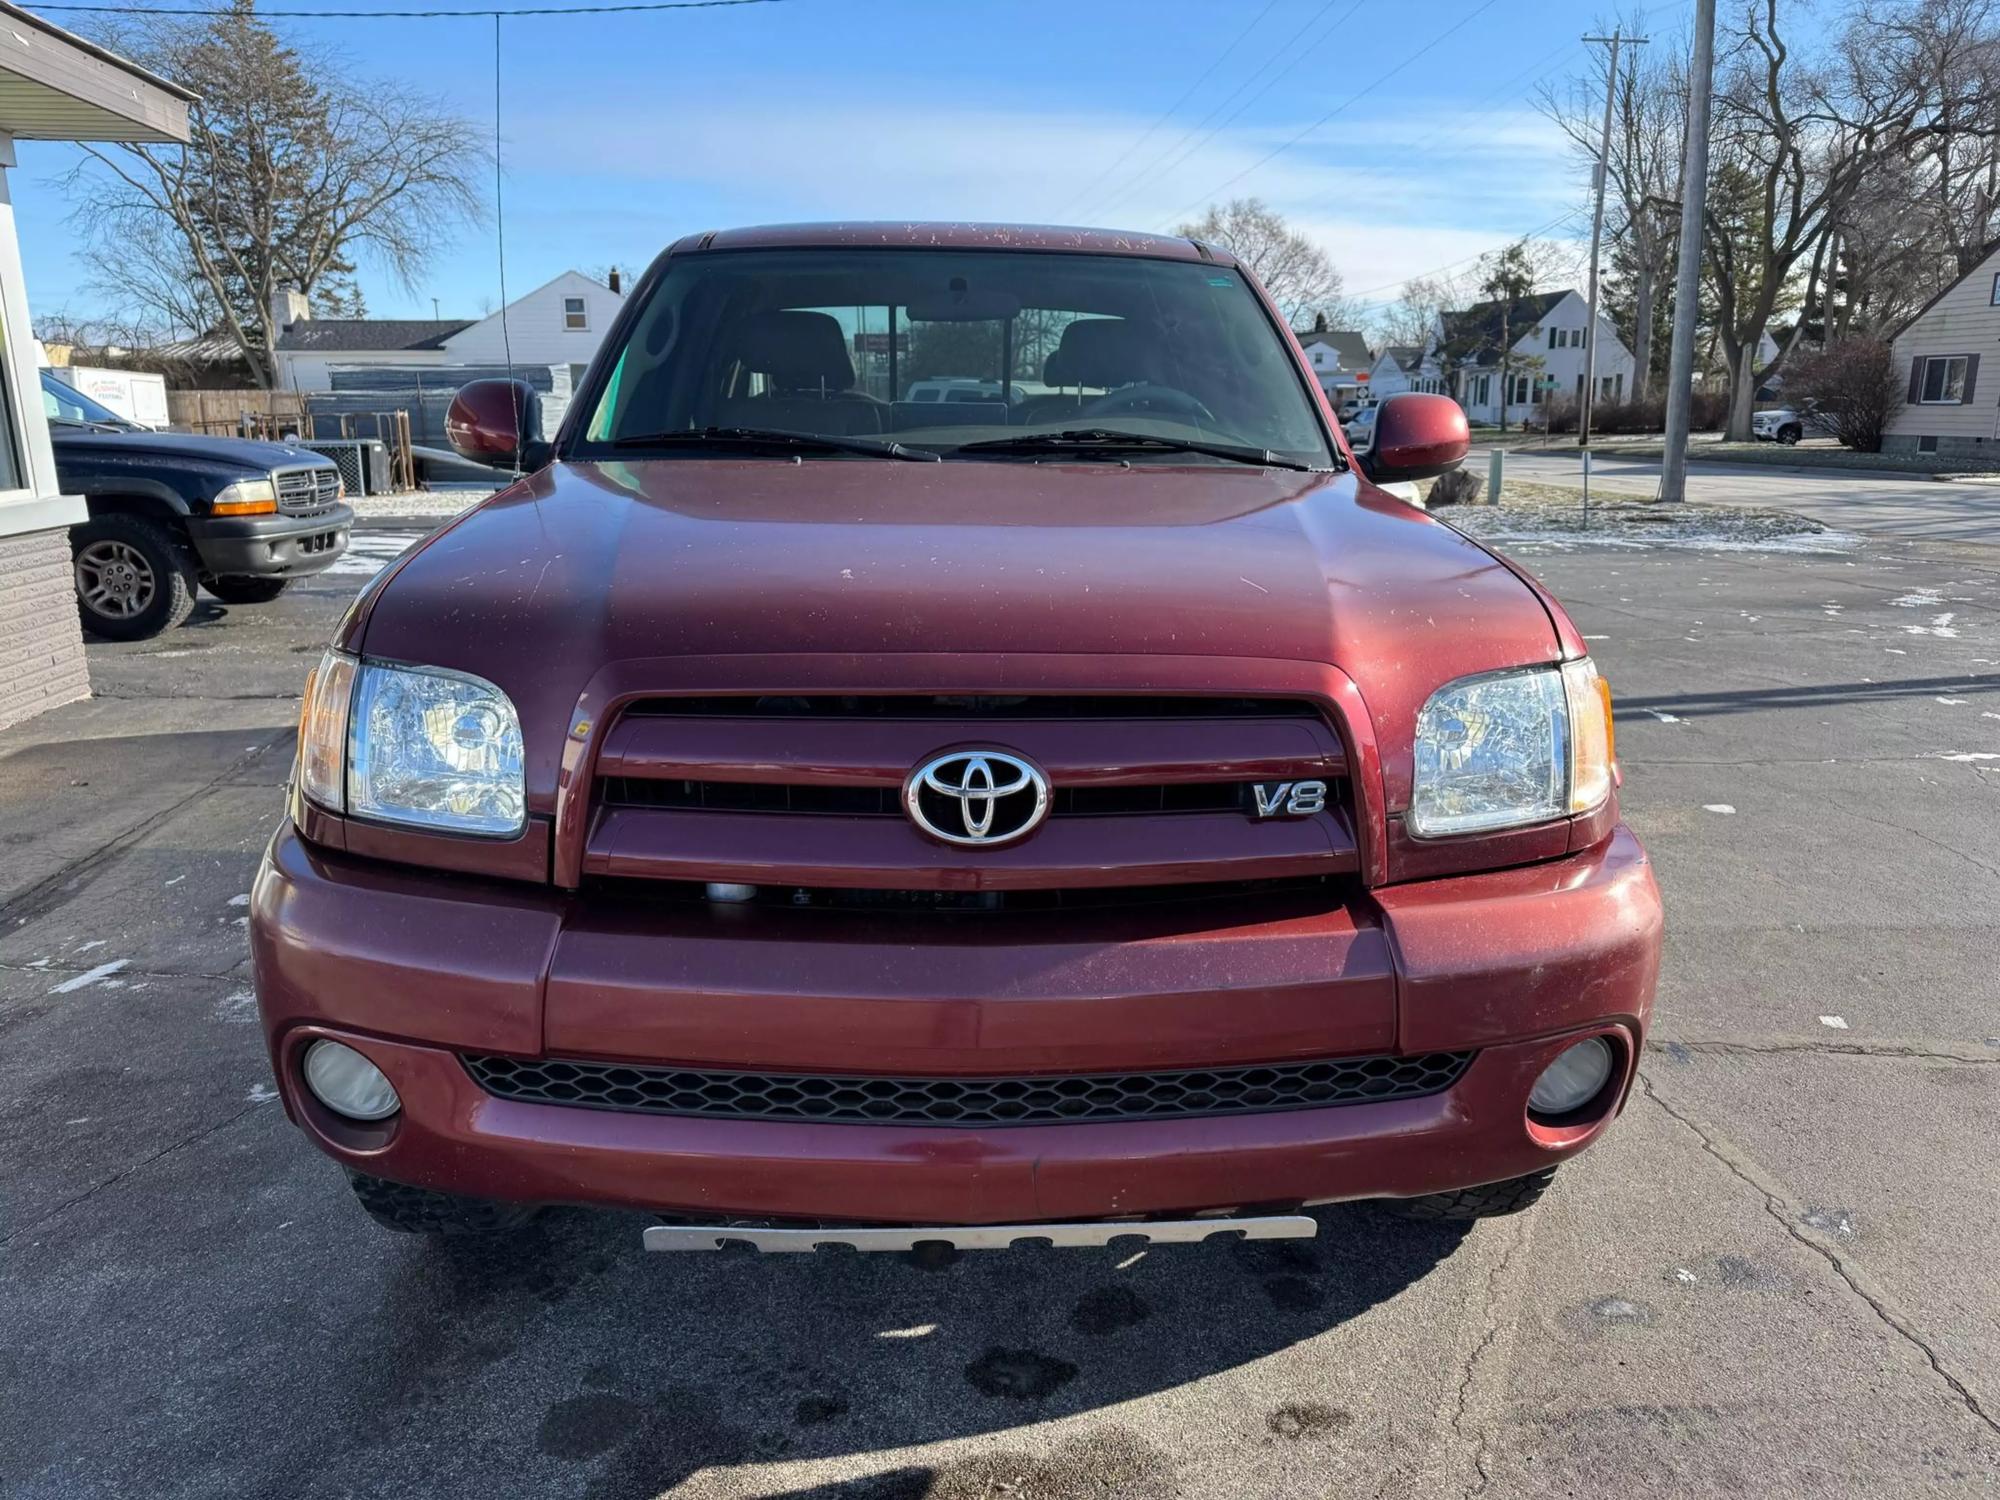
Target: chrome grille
column 307, row 492
column 1034, row 1100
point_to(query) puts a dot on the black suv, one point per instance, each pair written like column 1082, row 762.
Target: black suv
column 170, row 510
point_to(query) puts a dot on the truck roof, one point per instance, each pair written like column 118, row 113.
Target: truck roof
column 954, row 235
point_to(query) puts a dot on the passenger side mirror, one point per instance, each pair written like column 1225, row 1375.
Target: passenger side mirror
column 498, row 423
column 1417, row 436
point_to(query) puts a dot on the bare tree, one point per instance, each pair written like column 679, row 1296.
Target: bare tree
column 1412, row 317
column 294, row 168
column 1648, row 119
column 1797, row 134
column 1295, row 271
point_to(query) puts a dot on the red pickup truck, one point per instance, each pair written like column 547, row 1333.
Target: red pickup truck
column 1086, row 807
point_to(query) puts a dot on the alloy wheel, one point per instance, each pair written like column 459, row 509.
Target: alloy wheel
column 115, row 579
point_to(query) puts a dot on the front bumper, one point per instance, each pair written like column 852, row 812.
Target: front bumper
column 414, row 969
column 278, row 546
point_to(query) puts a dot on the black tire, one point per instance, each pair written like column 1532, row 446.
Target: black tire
column 415, row 1210
column 1490, row 1201
column 243, row 590
column 1790, row 436
column 133, row 577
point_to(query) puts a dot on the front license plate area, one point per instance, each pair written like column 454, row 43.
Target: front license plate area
column 674, row 1237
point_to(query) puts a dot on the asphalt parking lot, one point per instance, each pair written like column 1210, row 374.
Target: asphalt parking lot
column 1777, row 1276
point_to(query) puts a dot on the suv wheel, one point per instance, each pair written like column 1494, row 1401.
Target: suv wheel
column 415, row 1210
column 241, row 590
column 1489, row 1201
column 1789, row 435
column 133, row 577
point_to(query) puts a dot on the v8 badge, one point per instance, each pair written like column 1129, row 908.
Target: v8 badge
column 1289, row 799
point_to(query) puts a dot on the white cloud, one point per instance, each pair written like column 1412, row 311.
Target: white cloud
column 1387, row 198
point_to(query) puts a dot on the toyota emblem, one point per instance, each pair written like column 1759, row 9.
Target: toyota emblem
column 976, row 797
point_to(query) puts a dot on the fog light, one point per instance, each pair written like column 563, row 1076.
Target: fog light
column 1573, row 1079
column 348, row 1083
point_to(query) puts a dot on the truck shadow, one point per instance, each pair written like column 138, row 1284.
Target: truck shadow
column 659, row 1367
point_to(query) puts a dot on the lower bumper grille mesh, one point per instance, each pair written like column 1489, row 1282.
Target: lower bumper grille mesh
column 847, row 1099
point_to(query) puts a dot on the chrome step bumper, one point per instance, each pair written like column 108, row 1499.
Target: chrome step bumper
column 981, row 1236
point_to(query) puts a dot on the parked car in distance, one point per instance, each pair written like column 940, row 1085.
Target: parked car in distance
column 1786, row 424
column 818, row 817
column 173, row 511
column 1360, row 429
column 1353, row 406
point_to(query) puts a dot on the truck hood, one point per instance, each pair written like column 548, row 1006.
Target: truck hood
column 244, row 453
column 588, row 564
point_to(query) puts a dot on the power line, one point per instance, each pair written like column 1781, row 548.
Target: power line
column 1380, row 79
column 1172, row 110
column 421, row 15
column 1174, row 155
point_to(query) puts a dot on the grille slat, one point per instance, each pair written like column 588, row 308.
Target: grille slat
column 1034, row 1100
column 887, row 801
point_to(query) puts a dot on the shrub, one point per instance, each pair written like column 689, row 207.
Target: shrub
column 1852, row 385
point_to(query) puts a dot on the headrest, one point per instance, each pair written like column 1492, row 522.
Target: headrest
column 1101, row 351
column 798, row 350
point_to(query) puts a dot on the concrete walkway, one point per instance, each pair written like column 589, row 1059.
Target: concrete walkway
column 1875, row 503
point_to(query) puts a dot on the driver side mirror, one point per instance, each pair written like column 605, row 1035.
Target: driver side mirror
column 498, row 423
column 1417, row 436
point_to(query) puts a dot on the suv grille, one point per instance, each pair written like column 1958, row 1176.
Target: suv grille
column 307, row 492
column 807, row 791
column 850, row 1100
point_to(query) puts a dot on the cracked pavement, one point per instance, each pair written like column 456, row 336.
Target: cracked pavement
column 1775, row 1276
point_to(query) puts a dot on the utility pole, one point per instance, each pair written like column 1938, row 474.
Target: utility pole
column 1687, row 283
column 1597, row 233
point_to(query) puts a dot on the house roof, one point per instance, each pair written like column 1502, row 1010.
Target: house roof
column 1406, row 356
column 1473, row 335
column 1985, row 263
column 1350, row 345
column 57, row 86
column 368, row 335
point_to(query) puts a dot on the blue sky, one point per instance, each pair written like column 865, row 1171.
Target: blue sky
column 621, row 132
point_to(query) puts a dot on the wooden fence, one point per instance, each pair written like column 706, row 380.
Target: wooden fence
column 247, row 413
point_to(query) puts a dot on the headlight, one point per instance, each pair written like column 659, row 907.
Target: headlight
column 427, row 747
column 1512, row 748
column 246, row 497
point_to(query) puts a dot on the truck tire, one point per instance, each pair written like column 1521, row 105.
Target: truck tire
column 134, row 578
column 1489, row 1201
column 415, row 1210
column 245, row 590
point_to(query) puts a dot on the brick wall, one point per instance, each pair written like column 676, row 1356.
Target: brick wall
column 41, row 644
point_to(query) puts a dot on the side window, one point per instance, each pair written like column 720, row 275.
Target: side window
column 576, row 313
column 1944, row 380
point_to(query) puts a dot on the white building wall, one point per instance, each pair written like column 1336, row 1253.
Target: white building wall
column 536, row 333
column 311, row 372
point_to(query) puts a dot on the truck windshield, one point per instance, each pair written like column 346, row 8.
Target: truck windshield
column 946, row 352
column 62, row 402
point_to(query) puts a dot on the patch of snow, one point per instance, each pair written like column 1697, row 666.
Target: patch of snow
column 93, row 976
column 1954, row 702
column 1666, row 718
column 1966, row 757
column 1836, row 1023
column 239, row 900
column 1921, row 599
column 93, row 943
column 261, row 1093
column 369, row 552
column 175, row 881
column 1718, row 807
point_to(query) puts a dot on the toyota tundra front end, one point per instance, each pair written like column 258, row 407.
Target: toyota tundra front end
column 1086, row 806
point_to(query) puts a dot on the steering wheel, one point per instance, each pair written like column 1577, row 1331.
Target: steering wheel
column 1150, row 399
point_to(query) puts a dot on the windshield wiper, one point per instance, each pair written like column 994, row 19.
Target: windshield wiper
column 770, row 437
column 1105, row 440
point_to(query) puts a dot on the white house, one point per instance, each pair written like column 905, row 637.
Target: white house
column 1549, row 327
column 1937, row 353
column 560, row 322
column 1406, row 367
column 1339, row 359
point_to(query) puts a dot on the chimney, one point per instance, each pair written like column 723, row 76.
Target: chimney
column 613, row 280
column 288, row 307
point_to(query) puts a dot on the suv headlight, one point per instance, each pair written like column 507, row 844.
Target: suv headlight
column 422, row 746
column 1507, row 749
column 246, row 497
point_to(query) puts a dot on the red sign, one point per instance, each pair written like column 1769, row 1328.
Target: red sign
column 1362, row 376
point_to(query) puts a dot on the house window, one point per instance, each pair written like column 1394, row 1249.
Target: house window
column 1996, row 289
column 1944, row 380
column 1927, row 444
column 1522, row 390
column 575, row 313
